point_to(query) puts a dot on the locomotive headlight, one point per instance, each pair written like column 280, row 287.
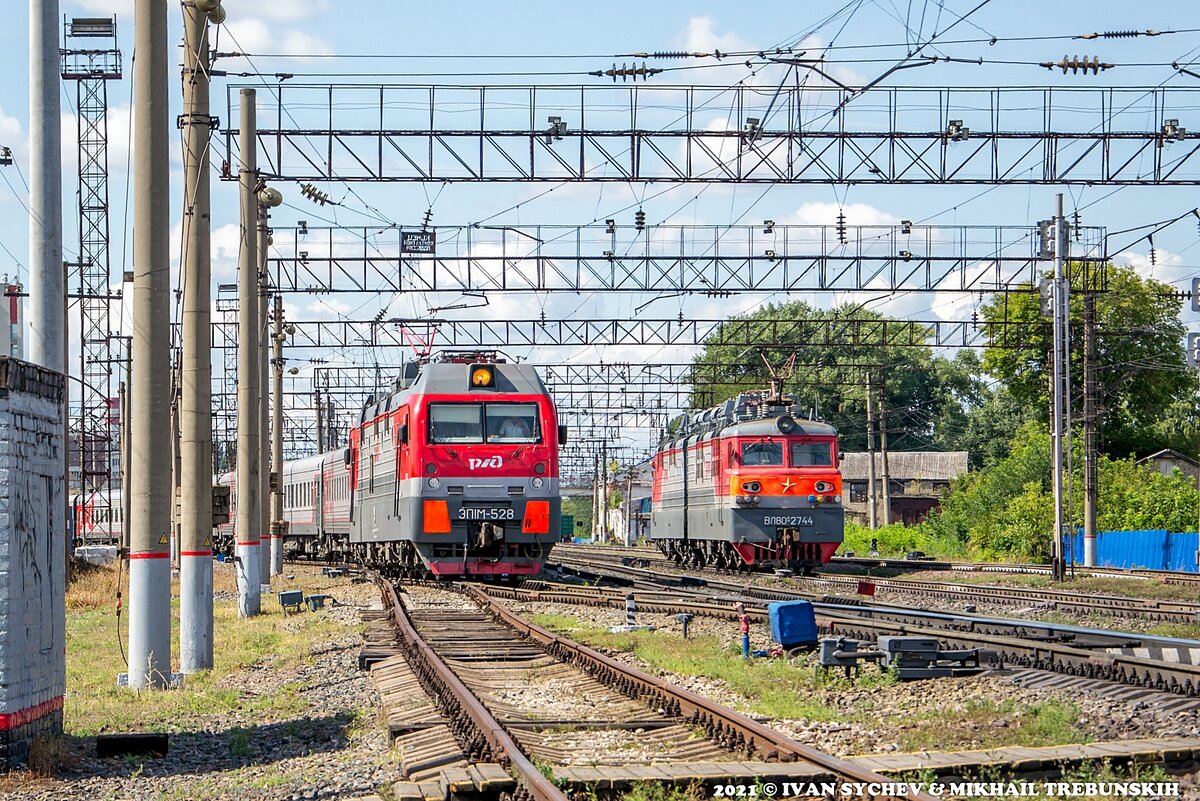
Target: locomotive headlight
column 823, row 487
column 434, row 482
column 751, row 487
column 538, row 482
column 431, row 468
column 539, row 468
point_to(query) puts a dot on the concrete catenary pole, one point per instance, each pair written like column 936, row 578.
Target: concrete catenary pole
column 195, row 503
column 47, row 284
column 320, row 416
column 872, row 506
column 1091, row 450
column 277, row 439
column 886, row 478
column 264, row 419
column 248, row 484
column 1056, row 396
column 150, row 467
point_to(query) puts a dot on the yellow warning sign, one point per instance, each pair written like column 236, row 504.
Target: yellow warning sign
column 162, row 540
column 208, row 542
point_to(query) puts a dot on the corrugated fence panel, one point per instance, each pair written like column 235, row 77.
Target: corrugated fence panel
column 1151, row 550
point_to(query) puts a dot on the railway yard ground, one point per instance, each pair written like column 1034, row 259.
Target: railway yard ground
column 290, row 713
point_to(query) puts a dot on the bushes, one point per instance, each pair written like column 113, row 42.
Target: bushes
column 1007, row 510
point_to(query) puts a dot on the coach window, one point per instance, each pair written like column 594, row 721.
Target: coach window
column 455, row 423
column 811, row 454
column 762, row 454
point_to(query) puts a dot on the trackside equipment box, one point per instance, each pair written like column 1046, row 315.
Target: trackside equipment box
column 792, row 623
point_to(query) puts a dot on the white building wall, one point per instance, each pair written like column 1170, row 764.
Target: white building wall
column 32, row 557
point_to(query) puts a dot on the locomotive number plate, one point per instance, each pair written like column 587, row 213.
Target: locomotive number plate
column 805, row 521
column 486, row 513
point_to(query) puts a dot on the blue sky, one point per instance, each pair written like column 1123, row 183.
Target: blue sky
column 348, row 27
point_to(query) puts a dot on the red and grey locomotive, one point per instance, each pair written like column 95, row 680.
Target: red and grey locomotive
column 748, row 483
column 452, row 472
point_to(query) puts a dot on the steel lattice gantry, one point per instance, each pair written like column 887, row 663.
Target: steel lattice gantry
column 400, row 333
column 712, row 260
column 91, row 59
column 750, row 134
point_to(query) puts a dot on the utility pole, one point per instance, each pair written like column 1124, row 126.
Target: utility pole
column 320, row 414
column 1057, row 400
column 883, row 456
column 604, row 491
column 1091, row 450
column 264, row 353
column 277, row 441
column 872, row 520
column 195, row 403
column 176, row 461
column 150, row 469
column 248, row 487
column 123, row 399
column 47, row 283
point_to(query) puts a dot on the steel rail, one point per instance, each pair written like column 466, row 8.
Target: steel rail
column 469, row 718
column 1175, row 677
column 719, row 721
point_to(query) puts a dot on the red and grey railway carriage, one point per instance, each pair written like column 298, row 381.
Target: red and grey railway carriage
column 458, row 470
column 748, row 483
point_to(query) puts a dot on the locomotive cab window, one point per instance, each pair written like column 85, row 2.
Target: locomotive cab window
column 811, row 454
column 762, row 454
column 455, row 422
column 512, row 422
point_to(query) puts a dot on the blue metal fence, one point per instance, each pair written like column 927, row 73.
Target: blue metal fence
column 1151, row 550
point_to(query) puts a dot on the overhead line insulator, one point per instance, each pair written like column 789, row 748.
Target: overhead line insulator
column 1119, row 34
column 1076, row 64
column 624, row 72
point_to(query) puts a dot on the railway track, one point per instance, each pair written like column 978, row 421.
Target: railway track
column 1157, row 611
column 1071, row 651
column 1164, row 576
column 474, row 657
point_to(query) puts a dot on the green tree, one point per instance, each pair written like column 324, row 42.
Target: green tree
column 1141, row 369
column 830, row 380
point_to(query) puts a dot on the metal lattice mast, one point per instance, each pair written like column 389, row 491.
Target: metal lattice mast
column 90, row 58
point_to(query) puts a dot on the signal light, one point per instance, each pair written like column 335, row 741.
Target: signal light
column 482, row 376
column 437, row 517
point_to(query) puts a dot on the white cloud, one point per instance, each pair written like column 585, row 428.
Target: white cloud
column 820, row 213
column 276, row 10
column 122, row 8
column 254, row 35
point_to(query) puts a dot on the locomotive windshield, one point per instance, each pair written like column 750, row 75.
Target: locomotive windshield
column 762, row 454
column 466, row 423
column 811, row 454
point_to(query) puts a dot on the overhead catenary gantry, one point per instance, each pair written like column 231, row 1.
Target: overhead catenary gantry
column 764, row 133
column 684, row 259
column 436, row 335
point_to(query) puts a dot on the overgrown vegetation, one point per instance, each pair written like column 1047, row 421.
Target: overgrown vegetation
column 94, row 658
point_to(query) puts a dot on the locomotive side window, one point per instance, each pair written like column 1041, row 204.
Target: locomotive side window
column 762, row 454
column 512, row 422
column 455, row 422
column 811, row 454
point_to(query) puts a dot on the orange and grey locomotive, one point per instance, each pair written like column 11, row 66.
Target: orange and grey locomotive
column 748, row 483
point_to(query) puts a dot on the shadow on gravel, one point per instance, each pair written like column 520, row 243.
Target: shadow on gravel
column 215, row 751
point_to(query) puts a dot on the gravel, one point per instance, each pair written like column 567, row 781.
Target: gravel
column 876, row 717
column 336, row 748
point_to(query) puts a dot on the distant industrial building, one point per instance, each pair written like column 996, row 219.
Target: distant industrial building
column 917, row 480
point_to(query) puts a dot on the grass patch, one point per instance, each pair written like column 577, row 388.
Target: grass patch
column 988, row 724
column 775, row 687
column 1185, row 631
column 94, row 704
column 657, row 791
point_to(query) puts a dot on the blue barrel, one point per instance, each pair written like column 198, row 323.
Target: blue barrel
column 792, row 623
